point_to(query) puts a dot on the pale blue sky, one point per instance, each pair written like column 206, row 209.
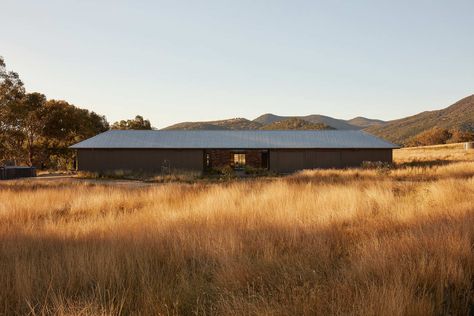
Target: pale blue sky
column 173, row 61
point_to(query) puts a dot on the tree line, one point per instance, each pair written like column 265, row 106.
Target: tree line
column 37, row 132
column 439, row 135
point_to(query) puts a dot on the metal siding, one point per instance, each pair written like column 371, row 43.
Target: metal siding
column 290, row 160
column 328, row 159
column 355, row 157
column 286, row 160
column 149, row 160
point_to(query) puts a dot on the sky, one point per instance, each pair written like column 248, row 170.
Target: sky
column 174, row 61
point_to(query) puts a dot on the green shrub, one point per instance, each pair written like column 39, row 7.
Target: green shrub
column 227, row 171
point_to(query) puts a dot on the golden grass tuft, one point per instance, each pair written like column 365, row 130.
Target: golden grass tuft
column 336, row 242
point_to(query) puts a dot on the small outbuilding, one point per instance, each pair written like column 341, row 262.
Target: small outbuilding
column 278, row 151
column 16, row 172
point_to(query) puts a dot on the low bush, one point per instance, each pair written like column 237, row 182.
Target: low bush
column 171, row 176
column 380, row 166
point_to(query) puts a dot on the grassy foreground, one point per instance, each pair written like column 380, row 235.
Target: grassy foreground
column 362, row 242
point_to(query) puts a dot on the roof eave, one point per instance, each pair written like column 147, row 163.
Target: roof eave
column 236, row 148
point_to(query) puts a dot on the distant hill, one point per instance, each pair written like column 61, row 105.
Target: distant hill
column 459, row 116
column 364, row 122
column 266, row 121
column 456, row 118
column 229, row 124
column 244, row 124
column 269, row 118
column 295, row 124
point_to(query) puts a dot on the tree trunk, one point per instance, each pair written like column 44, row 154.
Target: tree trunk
column 30, row 151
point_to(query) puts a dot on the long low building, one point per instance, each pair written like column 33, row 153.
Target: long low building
column 278, row 151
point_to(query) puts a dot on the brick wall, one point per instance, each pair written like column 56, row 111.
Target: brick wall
column 221, row 157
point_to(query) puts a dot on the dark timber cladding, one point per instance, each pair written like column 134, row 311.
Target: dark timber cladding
column 279, row 151
column 16, row 172
column 282, row 160
column 149, row 160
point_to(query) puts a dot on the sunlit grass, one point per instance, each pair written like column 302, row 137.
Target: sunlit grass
column 364, row 242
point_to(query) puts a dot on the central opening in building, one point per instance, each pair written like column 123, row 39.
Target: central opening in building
column 239, row 161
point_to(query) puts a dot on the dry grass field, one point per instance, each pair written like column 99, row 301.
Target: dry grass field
column 394, row 241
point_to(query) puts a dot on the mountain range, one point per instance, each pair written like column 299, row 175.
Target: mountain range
column 268, row 121
column 459, row 116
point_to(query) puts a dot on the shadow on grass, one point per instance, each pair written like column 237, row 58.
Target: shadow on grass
column 426, row 163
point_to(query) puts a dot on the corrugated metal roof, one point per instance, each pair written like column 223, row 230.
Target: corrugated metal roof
column 241, row 139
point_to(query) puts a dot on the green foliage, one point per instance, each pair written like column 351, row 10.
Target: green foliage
column 227, row 171
column 230, row 124
column 138, row 123
column 295, row 124
column 65, row 125
column 11, row 92
column 269, row 118
column 245, row 124
column 35, row 131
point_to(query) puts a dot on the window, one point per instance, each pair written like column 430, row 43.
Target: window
column 239, row 161
column 208, row 160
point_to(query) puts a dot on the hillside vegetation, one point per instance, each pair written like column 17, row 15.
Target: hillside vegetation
column 363, row 122
column 271, row 121
column 230, row 124
column 450, row 125
column 295, row 124
column 267, row 121
column 244, row 124
column 320, row 242
column 315, row 119
column 457, row 117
